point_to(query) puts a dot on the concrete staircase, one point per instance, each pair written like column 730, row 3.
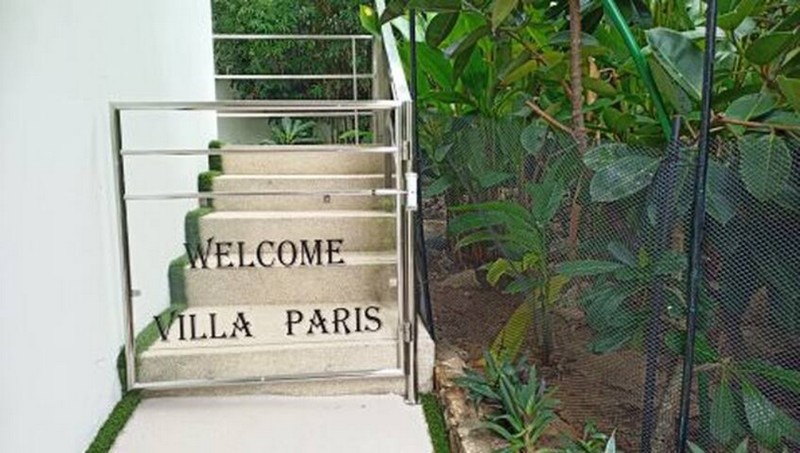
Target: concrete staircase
column 259, row 310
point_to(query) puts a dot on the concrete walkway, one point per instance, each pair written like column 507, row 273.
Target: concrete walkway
column 266, row 424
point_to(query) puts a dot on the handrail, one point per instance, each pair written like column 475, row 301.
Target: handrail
column 396, row 73
column 269, row 37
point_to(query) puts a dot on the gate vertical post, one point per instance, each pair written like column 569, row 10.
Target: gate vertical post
column 124, row 246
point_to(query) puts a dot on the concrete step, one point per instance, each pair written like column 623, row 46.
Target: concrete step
column 366, row 276
column 257, row 183
column 307, row 161
column 305, row 358
column 357, row 230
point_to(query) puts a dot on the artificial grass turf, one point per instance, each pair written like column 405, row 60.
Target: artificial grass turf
column 436, row 425
column 116, row 420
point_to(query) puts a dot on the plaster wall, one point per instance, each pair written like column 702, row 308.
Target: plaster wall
column 60, row 305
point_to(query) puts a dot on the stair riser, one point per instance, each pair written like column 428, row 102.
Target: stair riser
column 336, row 386
column 357, row 233
column 315, row 284
column 300, row 203
column 303, row 163
column 280, row 324
column 264, row 362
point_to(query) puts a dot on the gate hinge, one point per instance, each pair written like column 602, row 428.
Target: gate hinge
column 408, row 334
column 406, row 149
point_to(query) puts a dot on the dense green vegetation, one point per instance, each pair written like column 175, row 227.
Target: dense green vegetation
column 289, row 56
column 548, row 139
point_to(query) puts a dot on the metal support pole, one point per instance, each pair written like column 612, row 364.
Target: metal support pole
column 423, row 290
column 698, row 225
column 664, row 190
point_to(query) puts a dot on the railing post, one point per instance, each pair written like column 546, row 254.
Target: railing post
column 410, row 207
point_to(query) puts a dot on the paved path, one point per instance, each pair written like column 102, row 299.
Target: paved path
column 266, row 424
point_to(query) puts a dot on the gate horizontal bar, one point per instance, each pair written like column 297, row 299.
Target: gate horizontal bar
column 202, row 383
column 297, row 115
column 261, row 106
column 269, row 193
column 258, row 149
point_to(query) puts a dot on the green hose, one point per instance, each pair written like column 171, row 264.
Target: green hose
column 641, row 65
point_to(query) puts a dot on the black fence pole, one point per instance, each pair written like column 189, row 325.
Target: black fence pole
column 665, row 188
column 698, row 225
column 423, row 290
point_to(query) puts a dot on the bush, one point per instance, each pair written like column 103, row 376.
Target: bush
column 289, row 56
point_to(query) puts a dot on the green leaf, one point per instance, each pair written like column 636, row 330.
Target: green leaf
column 786, row 378
column 730, row 20
column 532, row 138
column 492, row 178
column 509, row 340
column 726, row 426
column 440, row 27
column 767, row 423
column 791, row 89
column 497, row 270
column 394, row 8
column 368, row 19
column 621, row 253
column 436, row 5
column 587, row 268
column 519, row 72
column 720, row 208
column 623, row 178
column 680, row 58
column 467, row 42
column 599, row 86
column 742, row 448
column 438, row 187
column 694, row 448
column 768, row 47
column 501, row 10
column 751, row 106
column 604, row 155
column 546, row 199
column 765, row 165
column 433, row 63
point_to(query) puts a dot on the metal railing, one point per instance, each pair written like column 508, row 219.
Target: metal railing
column 391, row 112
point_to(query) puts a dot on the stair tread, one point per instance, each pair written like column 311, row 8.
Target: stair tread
column 301, row 176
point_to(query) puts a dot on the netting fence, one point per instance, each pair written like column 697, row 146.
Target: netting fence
column 577, row 259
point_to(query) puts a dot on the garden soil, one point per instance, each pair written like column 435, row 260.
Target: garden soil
column 602, row 389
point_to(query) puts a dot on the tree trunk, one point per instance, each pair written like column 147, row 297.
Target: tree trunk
column 576, row 74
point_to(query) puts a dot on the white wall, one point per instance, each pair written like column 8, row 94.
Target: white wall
column 61, row 62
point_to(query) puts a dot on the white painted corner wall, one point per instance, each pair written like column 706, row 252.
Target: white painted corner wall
column 61, row 63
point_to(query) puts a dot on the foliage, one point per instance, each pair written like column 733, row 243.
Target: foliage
column 288, row 131
column 593, row 441
column 523, row 402
column 487, row 64
column 283, row 56
column 613, row 305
